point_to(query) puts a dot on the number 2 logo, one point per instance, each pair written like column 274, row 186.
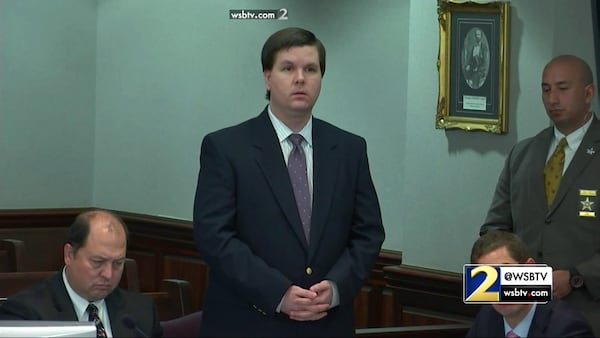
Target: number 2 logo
column 283, row 14
column 481, row 294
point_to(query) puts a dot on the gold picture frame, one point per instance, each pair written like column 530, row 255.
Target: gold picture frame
column 473, row 66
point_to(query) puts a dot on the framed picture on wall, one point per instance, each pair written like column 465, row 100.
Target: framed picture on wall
column 473, row 66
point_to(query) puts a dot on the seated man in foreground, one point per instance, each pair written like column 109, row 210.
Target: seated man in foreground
column 86, row 289
column 554, row 319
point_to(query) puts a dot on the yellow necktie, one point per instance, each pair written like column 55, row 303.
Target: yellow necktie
column 553, row 171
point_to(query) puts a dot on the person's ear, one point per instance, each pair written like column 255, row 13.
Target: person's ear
column 589, row 93
column 530, row 261
column 267, row 79
column 68, row 253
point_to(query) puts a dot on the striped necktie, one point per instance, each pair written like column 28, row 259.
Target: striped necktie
column 93, row 317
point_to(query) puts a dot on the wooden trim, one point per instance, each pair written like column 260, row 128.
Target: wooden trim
column 164, row 248
column 419, row 331
column 38, row 218
column 12, row 255
column 429, row 289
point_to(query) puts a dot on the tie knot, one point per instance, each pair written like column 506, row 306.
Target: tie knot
column 562, row 143
column 296, row 139
column 511, row 334
column 92, row 309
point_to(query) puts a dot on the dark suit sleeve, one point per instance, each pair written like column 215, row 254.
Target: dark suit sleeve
column 575, row 328
column 13, row 309
column 499, row 215
column 38, row 303
column 367, row 234
column 559, row 319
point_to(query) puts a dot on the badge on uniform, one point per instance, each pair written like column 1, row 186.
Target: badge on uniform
column 590, row 151
column 587, row 202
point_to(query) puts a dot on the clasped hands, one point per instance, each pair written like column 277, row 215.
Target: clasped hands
column 307, row 304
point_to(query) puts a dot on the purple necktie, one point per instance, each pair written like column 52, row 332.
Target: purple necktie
column 299, row 179
column 93, row 317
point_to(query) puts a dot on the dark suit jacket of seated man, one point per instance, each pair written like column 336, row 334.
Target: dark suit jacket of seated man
column 554, row 319
column 94, row 259
column 49, row 300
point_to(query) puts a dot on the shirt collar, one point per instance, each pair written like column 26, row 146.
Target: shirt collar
column 522, row 329
column 574, row 139
column 79, row 303
column 284, row 131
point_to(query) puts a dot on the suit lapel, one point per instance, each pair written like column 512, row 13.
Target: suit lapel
column 539, row 322
column 61, row 299
column 588, row 149
column 325, row 164
column 540, row 149
column 275, row 172
column 495, row 326
column 115, row 307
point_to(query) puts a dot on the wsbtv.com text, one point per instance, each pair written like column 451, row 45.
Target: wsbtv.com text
column 258, row 14
column 525, row 294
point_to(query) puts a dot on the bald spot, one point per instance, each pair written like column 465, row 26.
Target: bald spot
column 575, row 63
column 104, row 225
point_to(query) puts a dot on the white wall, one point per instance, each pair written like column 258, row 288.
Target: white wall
column 47, row 93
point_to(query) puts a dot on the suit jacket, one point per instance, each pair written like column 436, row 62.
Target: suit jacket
column 566, row 234
column 49, row 300
column 555, row 319
column 247, row 228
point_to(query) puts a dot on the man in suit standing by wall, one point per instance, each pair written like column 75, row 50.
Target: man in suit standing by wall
column 285, row 214
column 547, row 192
column 88, row 285
column 554, row 319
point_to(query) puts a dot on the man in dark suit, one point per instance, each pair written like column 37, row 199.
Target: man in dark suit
column 288, row 250
column 554, row 319
column 561, row 226
column 94, row 259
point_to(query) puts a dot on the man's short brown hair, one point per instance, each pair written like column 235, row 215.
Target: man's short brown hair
column 495, row 239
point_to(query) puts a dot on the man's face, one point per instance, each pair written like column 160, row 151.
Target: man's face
column 566, row 98
column 294, row 82
column 502, row 256
column 95, row 269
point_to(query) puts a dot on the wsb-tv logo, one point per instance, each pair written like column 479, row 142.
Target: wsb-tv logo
column 515, row 283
